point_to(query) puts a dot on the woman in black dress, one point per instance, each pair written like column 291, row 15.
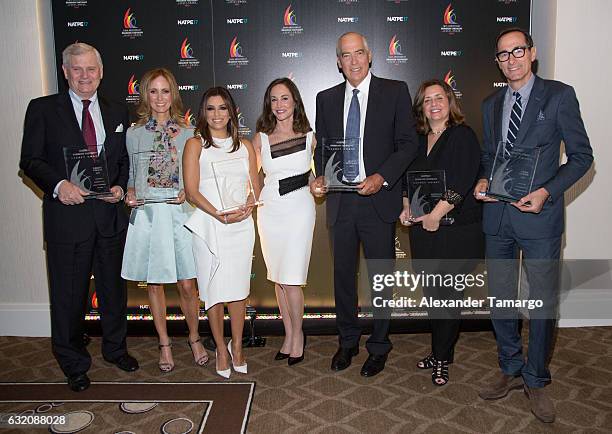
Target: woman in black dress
column 445, row 143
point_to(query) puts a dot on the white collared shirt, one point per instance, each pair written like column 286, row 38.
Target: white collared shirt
column 362, row 97
column 96, row 115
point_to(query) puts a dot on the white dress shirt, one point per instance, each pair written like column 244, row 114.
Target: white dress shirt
column 362, row 97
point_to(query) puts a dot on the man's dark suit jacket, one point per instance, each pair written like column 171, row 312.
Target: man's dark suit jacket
column 552, row 115
column 51, row 125
column 389, row 142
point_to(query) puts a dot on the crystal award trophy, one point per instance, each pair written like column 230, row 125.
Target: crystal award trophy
column 340, row 158
column 88, row 171
column 513, row 172
column 234, row 184
column 156, row 176
column 425, row 189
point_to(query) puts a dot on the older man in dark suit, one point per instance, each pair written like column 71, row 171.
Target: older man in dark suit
column 378, row 111
column 530, row 113
column 81, row 234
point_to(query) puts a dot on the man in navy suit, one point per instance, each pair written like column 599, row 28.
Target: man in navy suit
column 379, row 111
column 81, row 234
column 530, row 113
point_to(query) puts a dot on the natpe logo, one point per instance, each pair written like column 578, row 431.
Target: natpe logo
column 290, row 24
column 291, row 54
column 236, row 86
column 397, row 19
column 396, row 56
column 130, row 27
column 189, row 118
column 449, row 21
column 77, row 23
column 348, row 19
column 449, row 79
column 451, row 53
column 133, row 91
column 188, row 87
column 236, row 55
column 133, row 57
column 506, row 19
column 187, row 22
column 187, row 58
column 236, row 20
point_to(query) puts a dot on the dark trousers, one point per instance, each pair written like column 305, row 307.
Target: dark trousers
column 70, row 266
column 540, row 261
column 357, row 222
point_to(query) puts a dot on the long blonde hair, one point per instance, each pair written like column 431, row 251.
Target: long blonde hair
column 144, row 107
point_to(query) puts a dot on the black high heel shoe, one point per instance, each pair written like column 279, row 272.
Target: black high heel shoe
column 281, row 356
column 294, row 360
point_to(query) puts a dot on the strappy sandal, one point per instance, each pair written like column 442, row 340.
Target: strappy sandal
column 203, row 360
column 439, row 373
column 426, row 363
column 165, row 366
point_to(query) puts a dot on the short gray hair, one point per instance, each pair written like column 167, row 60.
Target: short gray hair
column 77, row 49
column 339, row 48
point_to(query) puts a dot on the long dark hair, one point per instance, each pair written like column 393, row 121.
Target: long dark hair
column 267, row 121
column 455, row 116
column 203, row 130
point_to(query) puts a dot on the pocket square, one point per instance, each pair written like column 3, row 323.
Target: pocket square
column 119, row 128
column 541, row 116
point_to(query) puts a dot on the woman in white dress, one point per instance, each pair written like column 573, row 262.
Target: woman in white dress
column 222, row 243
column 284, row 143
column 158, row 247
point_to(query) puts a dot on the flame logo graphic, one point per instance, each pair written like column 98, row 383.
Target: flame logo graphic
column 394, row 46
column 241, row 118
column 289, row 18
column 449, row 79
column 133, row 86
column 186, row 50
column 129, row 21
column 189, row 118
column 235, row 48
column 449, row 15
column 291, row 76
column 94, row 300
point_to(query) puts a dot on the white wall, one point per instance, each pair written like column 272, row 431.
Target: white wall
column 24, row 301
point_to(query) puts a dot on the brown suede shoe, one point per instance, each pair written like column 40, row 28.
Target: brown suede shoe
column 501, row 387
column 541, row 405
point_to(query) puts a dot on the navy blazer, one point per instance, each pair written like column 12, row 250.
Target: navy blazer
column 552, row 115
column 50, row 125
column 389, row 145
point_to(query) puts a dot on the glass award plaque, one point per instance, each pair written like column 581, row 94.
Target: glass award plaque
column 340, row 158
column 156, row 176
column 88, row 171
column 234, row 184
column 512, row 172
column 425, row 189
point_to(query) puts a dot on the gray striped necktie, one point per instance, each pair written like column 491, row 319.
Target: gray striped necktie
column 353, row 123
column 515, row 122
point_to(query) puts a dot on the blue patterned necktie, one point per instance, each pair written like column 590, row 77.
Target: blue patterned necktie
column 351, row 155
column 515, row 123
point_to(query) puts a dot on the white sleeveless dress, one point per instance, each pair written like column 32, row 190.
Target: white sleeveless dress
column 223, row 252
column 286, row 223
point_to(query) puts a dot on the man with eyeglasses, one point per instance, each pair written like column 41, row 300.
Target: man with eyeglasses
column 530, row 113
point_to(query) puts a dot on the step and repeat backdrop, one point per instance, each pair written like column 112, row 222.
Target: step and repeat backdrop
column 244, row 44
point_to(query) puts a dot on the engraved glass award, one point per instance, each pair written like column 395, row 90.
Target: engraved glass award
column 513, row 172
column 88, row 171
column 156, row 176
column 425, row 189
column 340, row 158
column 234, row 184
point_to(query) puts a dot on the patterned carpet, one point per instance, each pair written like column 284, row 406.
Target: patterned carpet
column 310, row 398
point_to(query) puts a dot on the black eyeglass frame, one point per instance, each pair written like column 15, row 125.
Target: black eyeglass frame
column 522, row 47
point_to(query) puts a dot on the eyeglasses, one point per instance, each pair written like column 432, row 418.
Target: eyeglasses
column 517, row 52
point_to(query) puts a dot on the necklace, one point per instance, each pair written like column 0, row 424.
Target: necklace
column 437, row 132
